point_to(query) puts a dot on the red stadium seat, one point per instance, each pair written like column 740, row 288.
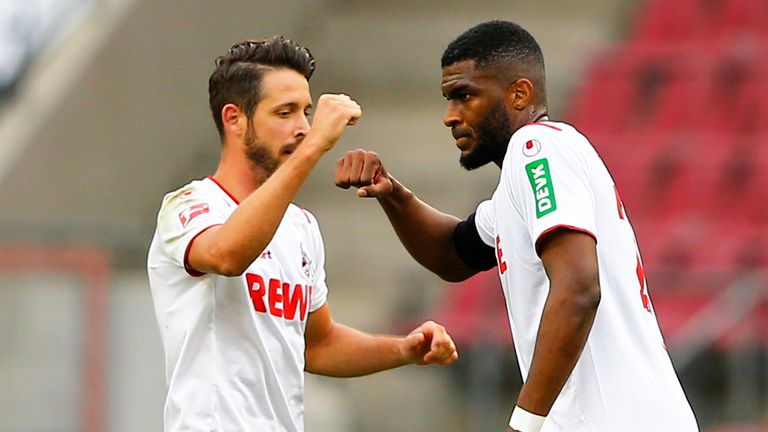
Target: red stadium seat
column 602, row 107
column 663, row 21
column 742, row 427
column 756, row 106
column 740, row 17
column 737, row 84
column 752, row 187
column 675, row 308
column 474, row 311
column 631, row 160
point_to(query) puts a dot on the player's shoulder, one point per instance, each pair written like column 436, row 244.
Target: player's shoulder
column 547, row 138
column 179, row 204
column 300, row 215
column 303, row 224
column 194, row 190
column 549, row 130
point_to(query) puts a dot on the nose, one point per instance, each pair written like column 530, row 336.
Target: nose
column 303, row 126
column 452, row 116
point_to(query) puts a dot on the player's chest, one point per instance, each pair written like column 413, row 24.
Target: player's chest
column 281, row 281
column 290, row 256
column 515, row 248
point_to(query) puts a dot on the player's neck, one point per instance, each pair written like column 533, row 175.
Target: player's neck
column 539, row 114
column 237, row 177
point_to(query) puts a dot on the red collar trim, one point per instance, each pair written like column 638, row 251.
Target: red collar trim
column 544, row 124
column 232, row 197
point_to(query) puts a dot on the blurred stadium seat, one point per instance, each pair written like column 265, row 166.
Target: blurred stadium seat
column 744, row 17
column 661, row 21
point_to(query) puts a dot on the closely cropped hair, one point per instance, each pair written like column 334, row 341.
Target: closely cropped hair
column 238, row 74
column 496, row 43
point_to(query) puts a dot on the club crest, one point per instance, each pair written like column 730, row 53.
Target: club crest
column 307, row 266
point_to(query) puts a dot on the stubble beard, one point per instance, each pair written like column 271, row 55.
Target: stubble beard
column 263, row 163
column 492, row 138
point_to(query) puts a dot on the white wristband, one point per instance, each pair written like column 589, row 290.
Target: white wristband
column 524, row 421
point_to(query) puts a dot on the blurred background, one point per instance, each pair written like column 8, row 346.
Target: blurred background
column 103, row 109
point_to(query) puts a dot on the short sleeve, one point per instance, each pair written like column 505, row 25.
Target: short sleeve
column 320, row 288
column 550, row 182
column 484, row 222
column 184, row 215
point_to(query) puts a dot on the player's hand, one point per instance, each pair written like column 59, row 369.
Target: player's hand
column 363, row 169
column 334, row 112
column 429, row 344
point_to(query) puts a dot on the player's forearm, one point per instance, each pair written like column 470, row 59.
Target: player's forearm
column 426, row 233
column 251, row 227
column 565, row 325
column 347, row 352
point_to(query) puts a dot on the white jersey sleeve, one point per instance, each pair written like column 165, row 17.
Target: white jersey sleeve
column 320, row 289
column 484, row 216
column 549, row 181
column 184, row 215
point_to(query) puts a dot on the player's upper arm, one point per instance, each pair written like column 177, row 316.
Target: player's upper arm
column 319, row 326
column 203, row 255
column 570, row 260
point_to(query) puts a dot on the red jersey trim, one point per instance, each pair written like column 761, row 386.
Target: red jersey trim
column 306, row 215
column 547, row 125
column 232, row 197
column 192, row 272
column 549, row 231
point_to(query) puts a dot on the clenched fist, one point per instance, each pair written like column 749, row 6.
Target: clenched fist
column 334, row 112
column 363, row 169
column 429, row 344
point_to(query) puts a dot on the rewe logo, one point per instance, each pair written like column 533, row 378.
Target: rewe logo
column 284, row 300
column 543, row 189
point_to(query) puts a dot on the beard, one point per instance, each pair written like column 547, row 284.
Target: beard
column 492, row 136
column 263, row 162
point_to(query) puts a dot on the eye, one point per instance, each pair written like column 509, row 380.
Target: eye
column 283, row 114
column 460, row 96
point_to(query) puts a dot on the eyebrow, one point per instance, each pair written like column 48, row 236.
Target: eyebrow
column 292, row 105
column 456, row 88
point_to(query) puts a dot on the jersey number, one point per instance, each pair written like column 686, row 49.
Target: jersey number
column 643, row 286
column 500, row 256
column 619, row 203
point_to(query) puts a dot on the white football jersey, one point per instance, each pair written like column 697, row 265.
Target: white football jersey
column 234, row 346
column 624, row 380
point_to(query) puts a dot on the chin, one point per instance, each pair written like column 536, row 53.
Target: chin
column 471, row 161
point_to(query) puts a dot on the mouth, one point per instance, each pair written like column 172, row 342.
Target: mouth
column 463, row 142
column 288, row 149
column 462, row 137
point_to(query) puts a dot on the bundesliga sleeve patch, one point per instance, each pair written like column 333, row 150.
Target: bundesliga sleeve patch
column 543, row 189
column 190, row 212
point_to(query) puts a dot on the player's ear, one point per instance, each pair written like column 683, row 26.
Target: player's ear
column 234, row 120
column 520, row 94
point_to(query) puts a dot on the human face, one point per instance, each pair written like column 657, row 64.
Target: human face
column 476, row 113
column 280, row 121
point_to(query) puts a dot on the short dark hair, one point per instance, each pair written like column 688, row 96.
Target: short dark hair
column 502, row 45
column 238, row 74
